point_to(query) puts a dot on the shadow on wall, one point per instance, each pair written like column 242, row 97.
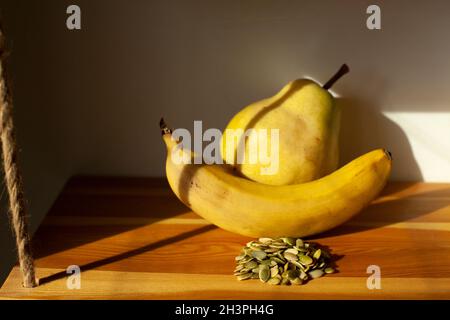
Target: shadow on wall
column 364, row 128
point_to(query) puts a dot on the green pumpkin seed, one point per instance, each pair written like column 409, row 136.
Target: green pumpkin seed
column 260, row 255
column 240, row 257
column 315, row 273
column 283, row 261
column 271, row 250
column 265, row 262
column 303, row 275
column 265, row 240
column 244, row 276
column 329, row 270
column 297, row 264
column 290, row 256
column 264, row 273
column 296, row 281
column 279, row 255
column 246, row 259
column 305, row 260
column 278, row 246
column 278, row 260
column 289, row 241
column 251, row 264
column 274, row 271
column 291, row 250
column 239, row 267
column 316, row 254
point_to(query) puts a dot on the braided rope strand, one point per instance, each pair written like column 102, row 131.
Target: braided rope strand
column 13, row 178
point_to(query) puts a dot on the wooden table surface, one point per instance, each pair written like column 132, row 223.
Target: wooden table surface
column 133, row 239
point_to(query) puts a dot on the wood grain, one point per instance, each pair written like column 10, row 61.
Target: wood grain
column 134, row 240
column 156, row 285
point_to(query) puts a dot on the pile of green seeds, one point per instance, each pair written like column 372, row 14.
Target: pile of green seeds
column 283, row 261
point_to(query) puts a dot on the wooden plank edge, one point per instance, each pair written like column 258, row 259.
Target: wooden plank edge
column 124, row 285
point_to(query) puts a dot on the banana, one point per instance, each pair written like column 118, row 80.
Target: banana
column 257, row 210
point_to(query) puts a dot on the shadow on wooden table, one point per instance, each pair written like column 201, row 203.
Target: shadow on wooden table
column 333, row 259
column 131, row 253
column 402, row 204
column 99, row 199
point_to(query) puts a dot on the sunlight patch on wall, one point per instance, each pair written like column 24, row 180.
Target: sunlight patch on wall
column 429, row 136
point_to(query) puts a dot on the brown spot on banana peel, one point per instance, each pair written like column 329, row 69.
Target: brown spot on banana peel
column 187, row 182
column 194, row 184
column 225, row 193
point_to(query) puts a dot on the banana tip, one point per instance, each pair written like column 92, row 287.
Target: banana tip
column 163, row 126
column 388, row 154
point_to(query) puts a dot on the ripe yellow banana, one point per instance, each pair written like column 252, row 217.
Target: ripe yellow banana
column 257, row 210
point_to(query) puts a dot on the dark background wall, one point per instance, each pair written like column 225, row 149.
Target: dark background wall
column 89, row 101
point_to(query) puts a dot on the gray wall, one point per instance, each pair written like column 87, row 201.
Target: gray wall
column 89, row 101
column 38, row 121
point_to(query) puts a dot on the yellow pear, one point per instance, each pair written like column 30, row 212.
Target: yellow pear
column 289, row 138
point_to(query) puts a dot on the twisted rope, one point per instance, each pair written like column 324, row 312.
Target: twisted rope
column 13, row 178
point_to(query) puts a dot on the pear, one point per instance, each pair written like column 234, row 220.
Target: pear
column 305, row 145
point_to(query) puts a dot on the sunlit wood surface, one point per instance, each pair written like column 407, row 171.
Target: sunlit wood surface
column 133, row 239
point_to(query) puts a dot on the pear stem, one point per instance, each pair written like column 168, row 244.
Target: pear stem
column 343, row 70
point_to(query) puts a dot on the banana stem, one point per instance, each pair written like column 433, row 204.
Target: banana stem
column 343, row 70
column 388, row 153
column 164, row 128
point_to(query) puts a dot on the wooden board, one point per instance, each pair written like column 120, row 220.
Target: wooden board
column 133, row 239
